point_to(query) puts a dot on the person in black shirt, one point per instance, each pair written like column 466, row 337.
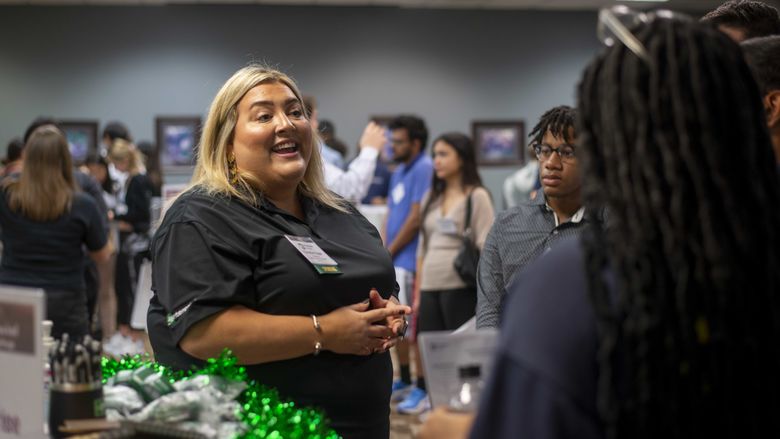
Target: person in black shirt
column 89, row 186
column 45, row 221
column 133, row 213
column 258, row 257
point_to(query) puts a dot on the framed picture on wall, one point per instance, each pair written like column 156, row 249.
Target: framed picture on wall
column 499, row 143
column 177, row 141
column 82, row 138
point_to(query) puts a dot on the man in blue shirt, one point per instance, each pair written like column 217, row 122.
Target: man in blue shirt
column 410, row 181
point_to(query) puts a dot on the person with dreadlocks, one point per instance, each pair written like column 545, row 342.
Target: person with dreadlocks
column 763, row 57
column 745, row 19
column 664, row 324
column 522, row 233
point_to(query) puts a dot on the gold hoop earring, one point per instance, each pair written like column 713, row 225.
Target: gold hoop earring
column 232, row 169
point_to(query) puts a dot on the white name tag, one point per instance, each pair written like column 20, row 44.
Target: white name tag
column 398, row 193
column 447, row 226
column 323, row 263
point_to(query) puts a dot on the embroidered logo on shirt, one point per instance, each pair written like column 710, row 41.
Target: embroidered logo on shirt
column 171, row 319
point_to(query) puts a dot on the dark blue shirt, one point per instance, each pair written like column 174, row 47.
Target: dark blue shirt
column 543, row 382
column 380, row 185
column 48, row 254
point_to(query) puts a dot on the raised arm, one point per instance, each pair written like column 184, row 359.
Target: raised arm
column 353, row 183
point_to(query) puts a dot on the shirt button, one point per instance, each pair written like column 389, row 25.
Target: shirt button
column 555, row 232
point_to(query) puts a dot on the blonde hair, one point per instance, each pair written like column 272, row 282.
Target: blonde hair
column 211, row 171
column 123, row 150
column 45, row 189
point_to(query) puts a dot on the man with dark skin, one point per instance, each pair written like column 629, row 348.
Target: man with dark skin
column 410, row 181
column 524, row 232
column 763, row 58
column 745, row 19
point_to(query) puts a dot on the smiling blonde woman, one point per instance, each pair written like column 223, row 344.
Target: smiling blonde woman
column 258, row 257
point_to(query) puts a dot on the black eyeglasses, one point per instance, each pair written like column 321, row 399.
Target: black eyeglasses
column 615, row 22
column 565, row 152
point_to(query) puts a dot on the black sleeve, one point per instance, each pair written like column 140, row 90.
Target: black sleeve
column 91, row 187
column 138, row 200
column 520, row 403
column 371, row 230
column 196, row 275
column 96, row 234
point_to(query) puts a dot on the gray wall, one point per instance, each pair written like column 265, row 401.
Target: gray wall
column 133, row 63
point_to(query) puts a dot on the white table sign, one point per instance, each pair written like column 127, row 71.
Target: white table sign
column 21, row 362
column 444, row 352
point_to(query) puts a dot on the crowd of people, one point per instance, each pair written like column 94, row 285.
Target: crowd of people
column 633, row 277
column 51, row 249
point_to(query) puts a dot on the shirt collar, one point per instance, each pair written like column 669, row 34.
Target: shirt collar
column 405, row 168
column 541, row 201
column 310, row 208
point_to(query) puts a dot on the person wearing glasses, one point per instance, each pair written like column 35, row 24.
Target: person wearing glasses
column 522, row 233
column 664, row 324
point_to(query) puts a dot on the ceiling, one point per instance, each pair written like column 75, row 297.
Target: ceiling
column 701, row 5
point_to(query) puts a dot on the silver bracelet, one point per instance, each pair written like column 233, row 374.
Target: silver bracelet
column 318, row 328
column 317, row 348
column 316, row 323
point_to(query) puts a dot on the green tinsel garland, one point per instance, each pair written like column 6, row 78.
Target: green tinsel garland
column 264, row 413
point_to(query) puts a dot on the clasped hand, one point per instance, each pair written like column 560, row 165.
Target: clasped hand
column 372, row 326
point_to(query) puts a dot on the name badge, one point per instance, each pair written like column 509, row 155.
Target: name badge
column 398, row 193
column 447, row 226
column 320, row 260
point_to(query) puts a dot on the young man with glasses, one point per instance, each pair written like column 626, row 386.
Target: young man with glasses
column 410, row 181
column 524, row 232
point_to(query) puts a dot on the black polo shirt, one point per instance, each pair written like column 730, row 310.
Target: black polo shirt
column 214, row 252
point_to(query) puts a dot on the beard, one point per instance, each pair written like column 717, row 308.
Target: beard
column 402, row 158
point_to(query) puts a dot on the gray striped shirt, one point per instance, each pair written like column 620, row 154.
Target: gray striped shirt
column 519, row 235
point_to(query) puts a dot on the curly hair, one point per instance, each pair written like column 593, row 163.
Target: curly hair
column 677, row 151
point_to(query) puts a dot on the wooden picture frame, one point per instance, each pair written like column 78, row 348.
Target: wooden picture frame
column 177, row 140
column 82, row 136
column 499, row 143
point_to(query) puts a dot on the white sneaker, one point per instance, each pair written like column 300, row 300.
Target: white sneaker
column 119, row 345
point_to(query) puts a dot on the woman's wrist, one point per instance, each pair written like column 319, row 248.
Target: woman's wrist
column 325, row 332
column 318, row 330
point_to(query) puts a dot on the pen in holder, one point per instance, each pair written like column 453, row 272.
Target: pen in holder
column 74, row 401
column 76, row 391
